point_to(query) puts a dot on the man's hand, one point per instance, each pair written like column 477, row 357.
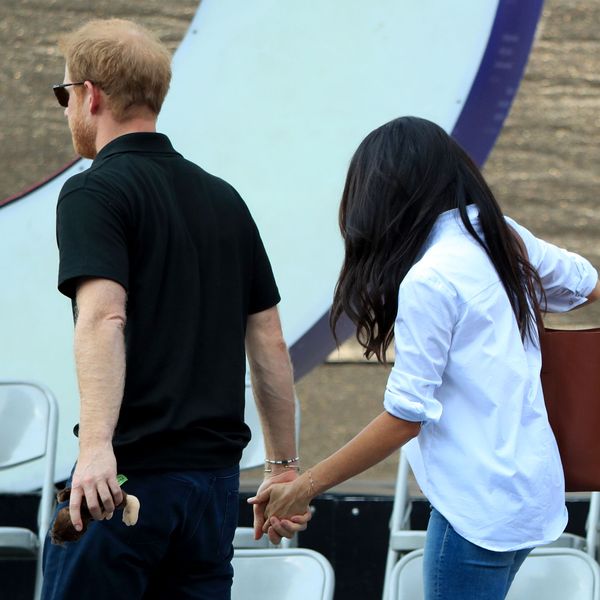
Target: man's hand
column 283, row 500
column 277, row 529
column 95, row 477
column 280, row 528
column 259, row 508
column 286, row 528
column 273, row 526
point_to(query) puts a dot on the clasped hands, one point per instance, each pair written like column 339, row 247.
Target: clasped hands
column 281, row 506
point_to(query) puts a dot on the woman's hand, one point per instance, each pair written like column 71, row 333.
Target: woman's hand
column 286, row 503
column 258, row 507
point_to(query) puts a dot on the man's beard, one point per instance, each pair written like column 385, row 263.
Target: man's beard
column 84, row 136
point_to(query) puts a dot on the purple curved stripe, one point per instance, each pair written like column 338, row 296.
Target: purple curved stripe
column 317, row 343
column 476, row 129
column 498, row 78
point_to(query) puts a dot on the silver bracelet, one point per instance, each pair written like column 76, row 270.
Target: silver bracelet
column 286, row 467
column 285, row 462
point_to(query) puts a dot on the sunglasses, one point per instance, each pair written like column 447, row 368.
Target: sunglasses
column 62, row 93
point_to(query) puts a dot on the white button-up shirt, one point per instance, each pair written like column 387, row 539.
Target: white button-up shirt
column 486, row 457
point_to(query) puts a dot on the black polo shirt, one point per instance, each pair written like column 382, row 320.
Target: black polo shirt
column 184, row 246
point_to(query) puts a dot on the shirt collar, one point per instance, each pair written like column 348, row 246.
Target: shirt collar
column 450, row 223
column 147, row 142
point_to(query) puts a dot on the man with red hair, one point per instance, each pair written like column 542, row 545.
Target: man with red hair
column 170, row 284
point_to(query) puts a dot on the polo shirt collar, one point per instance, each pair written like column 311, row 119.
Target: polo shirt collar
column 147, row 142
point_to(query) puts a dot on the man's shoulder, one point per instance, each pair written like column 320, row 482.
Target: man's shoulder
column 75, row 182
column 89, row 183
column 215, row 183
column 116, row 169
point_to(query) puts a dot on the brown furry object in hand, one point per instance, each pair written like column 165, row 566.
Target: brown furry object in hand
column 63, row 530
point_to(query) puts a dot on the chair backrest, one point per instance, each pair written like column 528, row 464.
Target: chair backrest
column 556, row 574
column 406, row 578
column 28, row 431
column 548, row 573
column 24, row 419
column 282, row 574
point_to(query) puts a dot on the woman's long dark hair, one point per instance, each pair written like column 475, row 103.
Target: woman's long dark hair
column 401, row 178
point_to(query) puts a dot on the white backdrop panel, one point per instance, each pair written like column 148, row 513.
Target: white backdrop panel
column 274, row 97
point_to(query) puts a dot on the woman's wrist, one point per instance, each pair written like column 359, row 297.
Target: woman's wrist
column 307, row 485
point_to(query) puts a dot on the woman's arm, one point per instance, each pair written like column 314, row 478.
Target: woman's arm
column 569, row 280
column 592, row 297
column 427, row 314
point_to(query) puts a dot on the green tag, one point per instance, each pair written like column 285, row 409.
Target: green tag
column 121, row 479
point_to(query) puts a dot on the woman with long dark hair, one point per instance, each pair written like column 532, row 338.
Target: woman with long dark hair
column 432, row 263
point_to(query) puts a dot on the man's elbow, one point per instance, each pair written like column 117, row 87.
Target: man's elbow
column 118, row 319
column 98, row 320
column 279, row 345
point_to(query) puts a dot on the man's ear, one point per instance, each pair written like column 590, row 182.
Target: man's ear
column 94, row 97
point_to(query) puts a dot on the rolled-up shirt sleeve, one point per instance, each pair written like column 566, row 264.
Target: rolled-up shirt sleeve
column 568, row 279
column 427, row 314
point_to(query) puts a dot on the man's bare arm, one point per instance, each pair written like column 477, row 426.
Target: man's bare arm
column 100, row 363
column 273, row 387
column 272, row 382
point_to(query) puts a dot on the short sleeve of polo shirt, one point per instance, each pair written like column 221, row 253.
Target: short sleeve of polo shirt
column 263, row 291
column 91, row 233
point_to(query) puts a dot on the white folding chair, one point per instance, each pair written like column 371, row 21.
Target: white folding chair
column 592, row 527
column 28, row 430
column 557, row 574
column 254, row 456
column 282, row 574
column 590, row 543
column 547, row 573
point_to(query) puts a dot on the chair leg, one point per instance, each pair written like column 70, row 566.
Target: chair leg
column 392, row 559
column 398, row 520
column 592, row 525
column 37, row 593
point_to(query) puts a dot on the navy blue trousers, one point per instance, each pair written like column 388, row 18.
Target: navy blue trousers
column 180, row 549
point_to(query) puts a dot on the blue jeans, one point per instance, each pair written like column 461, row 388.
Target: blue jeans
column 181, row 547
column 456, row 569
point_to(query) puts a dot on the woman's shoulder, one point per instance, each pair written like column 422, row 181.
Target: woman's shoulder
column 529, row 239
column 460, row 271
column 429, row 274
